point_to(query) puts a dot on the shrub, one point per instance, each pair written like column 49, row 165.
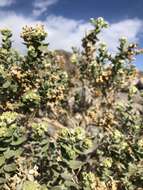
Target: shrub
column 69, row 132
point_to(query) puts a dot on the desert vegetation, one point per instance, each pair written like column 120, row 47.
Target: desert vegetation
column 62, row 130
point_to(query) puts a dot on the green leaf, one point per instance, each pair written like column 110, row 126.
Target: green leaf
column 43, row 187
column 2, row 149
column 45, row 148
column 18, row 152
column 66, row 175
column 2, row 180
column 43, row 48
column 75, row 164
column 6, row 84
column 29, row 185
column 9, row 154
column 9, row 138
column 71, row 184
column 2, row 160
column 19, row 141
column 10, row 167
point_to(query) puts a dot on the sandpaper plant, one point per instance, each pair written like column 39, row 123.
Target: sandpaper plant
column 34, row 80
column 69, row 132
column 101, row 74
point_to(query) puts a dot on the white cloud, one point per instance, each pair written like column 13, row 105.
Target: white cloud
column 130, row 28
column 40, row 6
column 63, row 33
column 15, row 23
column 5, row 3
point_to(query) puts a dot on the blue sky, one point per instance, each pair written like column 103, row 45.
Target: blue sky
column 67, row 20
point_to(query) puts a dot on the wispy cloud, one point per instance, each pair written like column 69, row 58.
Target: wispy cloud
column 6, row 3
column 40, row 6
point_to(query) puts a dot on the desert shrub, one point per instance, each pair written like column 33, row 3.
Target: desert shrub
column 34, row 80
column 59, row 131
